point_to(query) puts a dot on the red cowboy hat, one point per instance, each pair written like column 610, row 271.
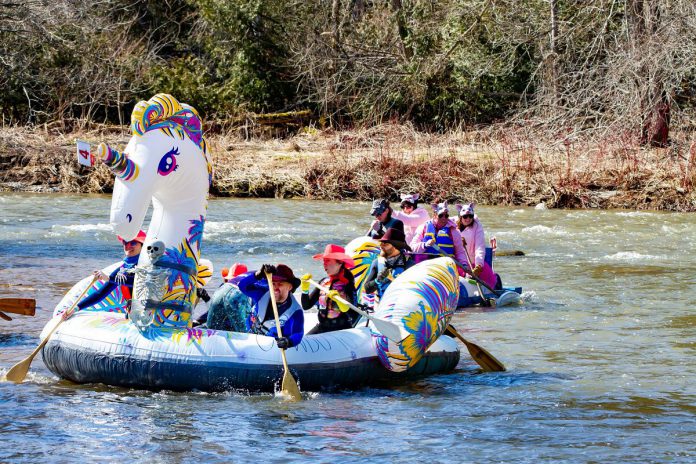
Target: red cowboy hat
column 336, row 252
column 138, row 238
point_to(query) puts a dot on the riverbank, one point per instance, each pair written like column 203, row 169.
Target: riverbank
column 503, row 167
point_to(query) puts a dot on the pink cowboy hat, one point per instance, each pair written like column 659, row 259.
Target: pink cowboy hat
column 336, row 252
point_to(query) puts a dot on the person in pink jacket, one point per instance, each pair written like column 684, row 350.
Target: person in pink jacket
column 411, row 215
column 474, row 240
column 439, row 235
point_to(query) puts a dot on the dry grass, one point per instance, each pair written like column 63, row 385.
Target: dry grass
column 493, row 166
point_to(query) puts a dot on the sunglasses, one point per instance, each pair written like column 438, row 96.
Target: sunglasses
column 131, row 243
column 468, row 216
column 441, row 215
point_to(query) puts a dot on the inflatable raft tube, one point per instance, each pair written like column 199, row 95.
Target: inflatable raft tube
column 102, row 347
column 105, row 347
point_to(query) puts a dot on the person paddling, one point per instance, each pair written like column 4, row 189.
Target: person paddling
column 382, row 213
column 392, row 261
column 473, row 238
column 123, row 276
column 332, row 315
column 261, row 321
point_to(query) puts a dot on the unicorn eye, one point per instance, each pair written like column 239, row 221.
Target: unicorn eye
column 168, row 164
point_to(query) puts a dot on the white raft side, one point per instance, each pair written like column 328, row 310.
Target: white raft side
column 421, row 302
column 110, row 334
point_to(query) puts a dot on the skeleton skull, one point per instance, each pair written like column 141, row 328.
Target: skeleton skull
column 155, row 250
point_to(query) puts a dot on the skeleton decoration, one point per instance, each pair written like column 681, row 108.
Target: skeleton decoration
column 153, row 278
column 155, row 250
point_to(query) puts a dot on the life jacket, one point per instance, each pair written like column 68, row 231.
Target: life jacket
column 262, row 328
column 400, row 265
column 443, row 238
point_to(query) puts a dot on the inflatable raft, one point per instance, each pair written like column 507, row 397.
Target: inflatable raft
column 365, row 251
column 166, row 163
column 102, row 346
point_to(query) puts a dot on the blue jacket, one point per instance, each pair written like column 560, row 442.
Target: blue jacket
column 262, row 321
column 128, row 264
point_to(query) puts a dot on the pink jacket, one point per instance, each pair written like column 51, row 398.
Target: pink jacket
column 475, row 242
column 418, row 245
column 411, row 221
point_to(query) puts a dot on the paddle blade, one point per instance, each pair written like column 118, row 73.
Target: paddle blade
column 482, row 357
column 18, row 372
column 24, row 306
column 388, row 329
column 508, row 298
column 290, row 388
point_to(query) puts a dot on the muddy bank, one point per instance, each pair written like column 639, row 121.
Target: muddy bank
column 485, row 167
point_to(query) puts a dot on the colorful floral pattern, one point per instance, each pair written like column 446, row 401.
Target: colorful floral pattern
column 422, row 300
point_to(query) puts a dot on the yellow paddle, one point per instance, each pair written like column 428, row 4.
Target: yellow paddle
column 18, row 372
column 289, row 386
column 482, row 357
column 386, row 328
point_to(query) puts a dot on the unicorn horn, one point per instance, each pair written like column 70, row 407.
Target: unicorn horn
column 119, row 163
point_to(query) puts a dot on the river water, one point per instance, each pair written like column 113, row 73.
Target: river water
column 599, row 356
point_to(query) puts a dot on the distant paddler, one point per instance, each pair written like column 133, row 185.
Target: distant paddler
column 392, row 261
column 440, row 231
column 411, row 215
column 473, row 238
column 382, row 213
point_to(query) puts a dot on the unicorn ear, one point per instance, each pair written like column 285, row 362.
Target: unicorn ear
column 472, row 205
column 445, row 203
column 416, row 197
column 459, row 207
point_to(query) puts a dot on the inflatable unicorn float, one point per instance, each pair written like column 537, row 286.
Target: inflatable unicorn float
column 166, row 163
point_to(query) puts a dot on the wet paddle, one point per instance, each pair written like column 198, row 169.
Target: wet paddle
column 18, row 372
column 23, row 306
column 482, row 357
column 386, row 328
column 289, row 386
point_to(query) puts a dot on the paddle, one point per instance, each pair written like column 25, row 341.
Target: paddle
column 504, row 298
column 24, row 306
column 289, row 386
column 19, row 371
column 386, row 328
column 5, row 316
column 482, row 357
column 486, row 301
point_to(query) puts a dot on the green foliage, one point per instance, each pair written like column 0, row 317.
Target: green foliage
column 436, row 64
